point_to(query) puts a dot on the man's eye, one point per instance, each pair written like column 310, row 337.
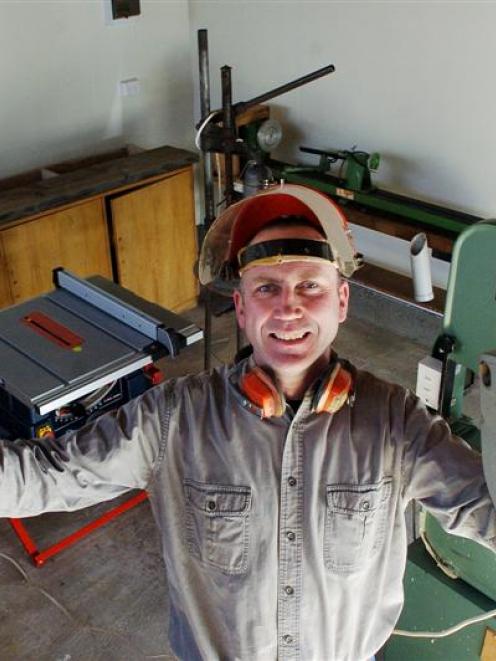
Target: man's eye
column 266, row 289
column 309, row 284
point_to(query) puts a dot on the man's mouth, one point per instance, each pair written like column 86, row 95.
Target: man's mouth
column 289, row 336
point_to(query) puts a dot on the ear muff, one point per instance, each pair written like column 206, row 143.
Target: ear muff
column 259, row 388
column 333, row 390
column 330, row 395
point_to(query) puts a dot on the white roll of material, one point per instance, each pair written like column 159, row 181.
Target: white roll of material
column 420, row 260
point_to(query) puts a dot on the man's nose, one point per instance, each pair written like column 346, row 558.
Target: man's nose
column 288, row 306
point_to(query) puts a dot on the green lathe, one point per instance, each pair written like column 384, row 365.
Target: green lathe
column 352, row 186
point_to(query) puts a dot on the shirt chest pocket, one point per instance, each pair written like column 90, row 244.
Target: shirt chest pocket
column 355, row 525
column 218, row 524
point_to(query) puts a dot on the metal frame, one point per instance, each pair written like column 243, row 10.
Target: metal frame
column 39, row 557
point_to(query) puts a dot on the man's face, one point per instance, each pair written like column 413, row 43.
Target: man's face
column 290, row 312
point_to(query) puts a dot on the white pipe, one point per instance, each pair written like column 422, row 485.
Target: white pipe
column 420, row 260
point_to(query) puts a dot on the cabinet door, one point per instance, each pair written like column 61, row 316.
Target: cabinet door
column 155, row 241
column 75, row 238
column 6, row 297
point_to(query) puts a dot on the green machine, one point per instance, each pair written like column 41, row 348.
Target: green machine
column 449, row 579
column 346, row 175
column 355, row 170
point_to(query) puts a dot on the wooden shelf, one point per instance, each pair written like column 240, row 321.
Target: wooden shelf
column 78, row 183
column 396, row 285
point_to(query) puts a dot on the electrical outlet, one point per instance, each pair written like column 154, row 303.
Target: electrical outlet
column 429, row 374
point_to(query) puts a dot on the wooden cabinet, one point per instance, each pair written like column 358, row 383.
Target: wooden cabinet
column 155, row 242
column 6, row 297
column 75, row 238
column 135, row 224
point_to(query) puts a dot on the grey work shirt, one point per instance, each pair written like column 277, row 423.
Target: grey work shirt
column 283, row 538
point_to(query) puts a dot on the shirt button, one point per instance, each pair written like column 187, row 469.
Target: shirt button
column 291, row 536
column 292, row 481
column 366, row 505
column 288, row 589
column 211, row 505
column 287, row 639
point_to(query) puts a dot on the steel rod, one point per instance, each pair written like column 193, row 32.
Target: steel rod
column 208, row 180
column 303, row 80
column 229, row 128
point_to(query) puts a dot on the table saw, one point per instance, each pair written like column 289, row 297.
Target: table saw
column 68, row 356
column 79, row 350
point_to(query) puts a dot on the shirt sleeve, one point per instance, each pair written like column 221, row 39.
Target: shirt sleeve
column 445, row 475
column 116, row 452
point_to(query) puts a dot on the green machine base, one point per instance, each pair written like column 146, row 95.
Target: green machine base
column 436, row 602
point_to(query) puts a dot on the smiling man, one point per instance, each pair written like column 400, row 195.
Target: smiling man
column 291, row 313
column 279, row 483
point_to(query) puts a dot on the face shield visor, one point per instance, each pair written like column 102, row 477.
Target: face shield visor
column 238, row 224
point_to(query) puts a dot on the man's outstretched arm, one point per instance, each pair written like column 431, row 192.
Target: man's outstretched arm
column 115, row 453
column 446, row 477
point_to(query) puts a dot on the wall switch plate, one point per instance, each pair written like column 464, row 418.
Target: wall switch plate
column 129, row 87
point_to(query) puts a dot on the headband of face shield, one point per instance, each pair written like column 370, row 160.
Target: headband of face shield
column 283, row 250
column 232, row 231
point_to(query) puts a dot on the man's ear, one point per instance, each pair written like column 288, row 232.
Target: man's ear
column 344, row 298
column 239, row 307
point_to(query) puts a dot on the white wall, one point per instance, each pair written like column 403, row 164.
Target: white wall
column 61, row 65
column 414, row 81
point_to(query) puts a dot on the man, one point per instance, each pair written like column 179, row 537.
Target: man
column 279, row 483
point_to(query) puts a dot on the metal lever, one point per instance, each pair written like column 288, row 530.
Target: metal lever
column 241, row 106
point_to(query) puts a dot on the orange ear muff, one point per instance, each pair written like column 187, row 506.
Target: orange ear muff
column 330, row 395
column 333, row 390
column 261, row 391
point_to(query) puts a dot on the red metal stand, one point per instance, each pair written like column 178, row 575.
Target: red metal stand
column 39, row 557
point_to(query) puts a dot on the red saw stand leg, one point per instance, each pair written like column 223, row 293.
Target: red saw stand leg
column 39, row 557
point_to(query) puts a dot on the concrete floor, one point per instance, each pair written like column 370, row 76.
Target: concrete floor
column 105, row 598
